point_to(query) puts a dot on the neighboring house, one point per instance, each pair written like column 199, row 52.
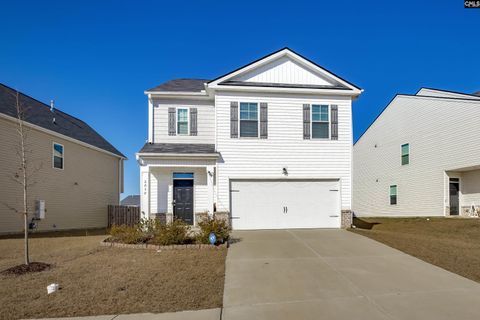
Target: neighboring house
column 76, row 172
column 131, row 201
column 269, row 145
column 420, row 157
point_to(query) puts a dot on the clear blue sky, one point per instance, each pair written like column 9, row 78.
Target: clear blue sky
column 95, row 58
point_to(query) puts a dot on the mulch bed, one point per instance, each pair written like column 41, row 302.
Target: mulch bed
column 26, row 268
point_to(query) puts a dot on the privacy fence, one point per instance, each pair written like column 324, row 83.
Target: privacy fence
column 123, row 215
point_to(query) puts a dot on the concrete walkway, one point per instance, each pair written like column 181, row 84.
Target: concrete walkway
column 335, row 274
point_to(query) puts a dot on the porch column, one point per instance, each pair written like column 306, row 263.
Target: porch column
column 144, row 192
column 210, row 177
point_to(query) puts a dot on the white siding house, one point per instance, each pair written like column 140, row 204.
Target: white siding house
column 435, row 173
column 240, row 144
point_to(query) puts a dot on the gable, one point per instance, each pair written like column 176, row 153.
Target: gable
column 285, row 70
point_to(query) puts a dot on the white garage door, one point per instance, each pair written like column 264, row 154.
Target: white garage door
column 282, row 204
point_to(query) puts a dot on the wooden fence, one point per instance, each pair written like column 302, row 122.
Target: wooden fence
column 123, row 215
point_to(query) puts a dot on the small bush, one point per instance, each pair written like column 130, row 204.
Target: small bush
column 127, row 234
column 213, row 225
column 175, row 232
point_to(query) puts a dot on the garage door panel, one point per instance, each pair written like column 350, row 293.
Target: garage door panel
column 280, row 204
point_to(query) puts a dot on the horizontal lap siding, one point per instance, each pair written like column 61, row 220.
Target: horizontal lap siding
column 76, row 197
column 205, row 120
column 285, row 146
column 161, row 189
column 443, row 134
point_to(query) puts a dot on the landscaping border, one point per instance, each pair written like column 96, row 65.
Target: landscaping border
column 105, row 243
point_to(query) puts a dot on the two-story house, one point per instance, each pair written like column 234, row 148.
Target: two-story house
column 420, row 157
column 268, row 144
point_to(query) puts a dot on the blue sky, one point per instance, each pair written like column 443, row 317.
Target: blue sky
column 95, row 58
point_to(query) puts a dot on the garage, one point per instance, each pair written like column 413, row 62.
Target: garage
column 284, row 204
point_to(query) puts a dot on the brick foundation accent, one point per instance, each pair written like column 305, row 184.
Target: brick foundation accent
column 163, row 217
column 347, row 219
column 218, row 215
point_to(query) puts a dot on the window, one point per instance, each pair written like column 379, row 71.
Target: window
column 182, row 175
column 182, row 121
column 57, row 156
column 248, row 119
column 320, row 122
column 405, row 154
column 393, row 194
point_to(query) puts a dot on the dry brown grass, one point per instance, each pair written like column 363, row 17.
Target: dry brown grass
column 98, row 280
column 450, row 243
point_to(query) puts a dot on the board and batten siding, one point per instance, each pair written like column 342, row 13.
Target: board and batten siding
column 285, row 147
column 443, row 136
column 205, row 121
column 75, row 197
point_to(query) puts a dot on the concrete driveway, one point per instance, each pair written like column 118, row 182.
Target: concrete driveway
column 335, row 274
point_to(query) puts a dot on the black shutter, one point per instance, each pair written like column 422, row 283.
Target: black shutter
column 233, row 119
column 193, row 121
column 334, row 124
column 263, row 120
column 171, row 122
column 306, row 121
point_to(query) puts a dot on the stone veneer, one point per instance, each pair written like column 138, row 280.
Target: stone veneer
column 347, row 219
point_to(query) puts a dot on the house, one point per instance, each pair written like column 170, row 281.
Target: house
column 420, row 157
column 268, row 146
column 75, row 172
column 132, row 200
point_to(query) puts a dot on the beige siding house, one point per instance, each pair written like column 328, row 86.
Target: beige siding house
column 76, row 172
column 420, row 157
column 268, row 145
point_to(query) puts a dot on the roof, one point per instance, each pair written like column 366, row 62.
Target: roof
column 186, row 148
column 198, row 85
column 39, row 114
column 476, row 93
column 181, row 85
column 131, row 200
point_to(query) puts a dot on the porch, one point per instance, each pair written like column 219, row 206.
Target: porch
column 177, row 182
column 462, row 192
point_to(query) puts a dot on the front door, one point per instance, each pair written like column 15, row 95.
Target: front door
column 454, row 201
column 183, row 200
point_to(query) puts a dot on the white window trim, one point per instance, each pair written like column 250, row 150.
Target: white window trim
column 188, row 121
column 329, row 121
column 258, row 120
column 53, row 156
column 401, row 153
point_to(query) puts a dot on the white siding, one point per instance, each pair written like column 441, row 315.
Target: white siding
column 285, row 146
column 205, row 121
column 283, row 70
column 470, row 188
column 443, row 136
column 161, row 189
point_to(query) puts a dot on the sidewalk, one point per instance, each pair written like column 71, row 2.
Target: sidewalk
column 207, row 314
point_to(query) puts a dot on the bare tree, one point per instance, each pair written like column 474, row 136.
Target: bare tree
column 25, row 172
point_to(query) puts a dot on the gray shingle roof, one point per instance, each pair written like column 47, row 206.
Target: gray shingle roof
column 182, row 85
column 187, row 148
column 131, row 200
column 39, row 114
column 477, row 93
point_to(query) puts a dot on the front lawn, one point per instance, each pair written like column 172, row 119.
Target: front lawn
column 450, row 243
column 97, row 280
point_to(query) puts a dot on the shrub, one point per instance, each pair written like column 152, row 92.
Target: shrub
column 213, row 225
column 175, row 232
column 127, row 234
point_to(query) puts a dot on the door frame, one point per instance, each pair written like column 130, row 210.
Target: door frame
column 459, row 182
column 312, row 179
column 193, row 191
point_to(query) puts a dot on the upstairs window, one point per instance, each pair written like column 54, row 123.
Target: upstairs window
column 320, row 122
column 393, row 194
column 248, row 119
column 405, row 154
column 182, row 121
column 57, row 156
